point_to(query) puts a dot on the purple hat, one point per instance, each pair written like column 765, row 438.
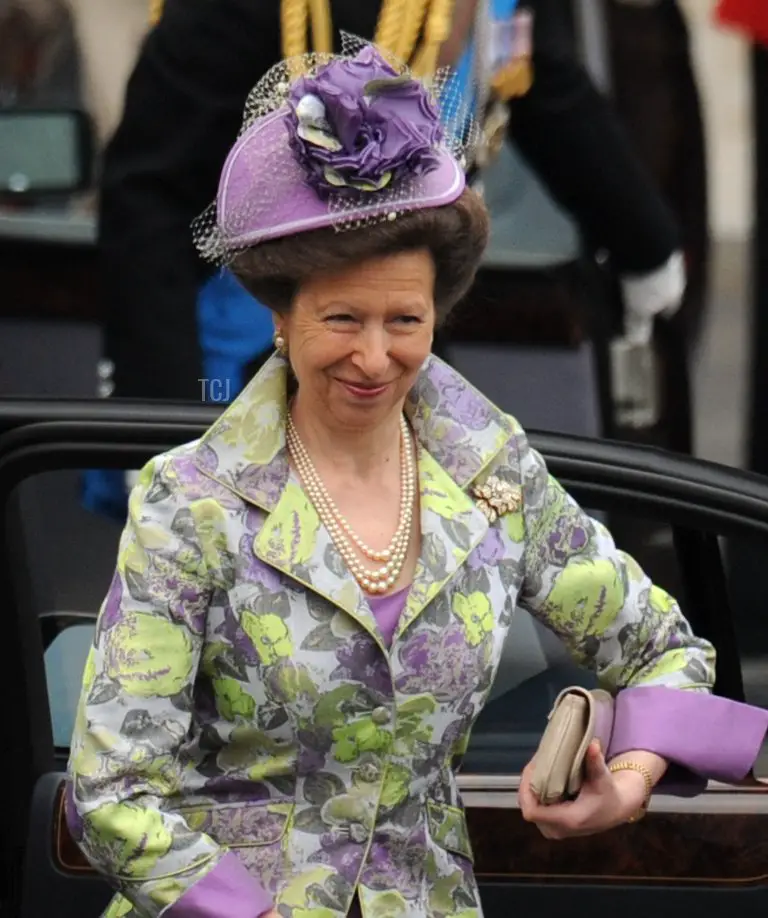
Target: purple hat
column 354, row 140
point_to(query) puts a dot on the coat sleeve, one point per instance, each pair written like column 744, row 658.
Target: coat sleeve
column 576, row 144
column 631, row 633
column 135, row 714
column 183, row 109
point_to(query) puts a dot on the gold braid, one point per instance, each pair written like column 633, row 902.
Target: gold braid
column 293, row 22
column 392, row 14
column 155, row 11
column 293, row 27
column 322, row 29
column 398, row 28
column 293, row 30
column 436, row 31
column 410, row 29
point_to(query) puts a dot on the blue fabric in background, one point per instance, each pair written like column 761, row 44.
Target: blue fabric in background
column 233, row 329
column 459, row 100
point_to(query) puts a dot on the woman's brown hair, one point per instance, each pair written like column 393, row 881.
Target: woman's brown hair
column 456, row 235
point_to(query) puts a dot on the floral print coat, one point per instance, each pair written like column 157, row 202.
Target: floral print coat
column 246, row 738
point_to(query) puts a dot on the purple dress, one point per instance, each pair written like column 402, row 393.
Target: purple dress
column 387, row 611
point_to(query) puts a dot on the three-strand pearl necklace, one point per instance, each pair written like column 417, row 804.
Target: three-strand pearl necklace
column 391, row 558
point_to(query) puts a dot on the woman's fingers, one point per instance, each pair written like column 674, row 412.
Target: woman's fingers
column 529, row 803
column 592, row 811
column 559, row 819
column 597, row 777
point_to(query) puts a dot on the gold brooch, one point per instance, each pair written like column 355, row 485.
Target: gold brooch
column 496, row 497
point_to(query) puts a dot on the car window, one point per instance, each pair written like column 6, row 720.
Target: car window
column 64, row 661
column 748, row 586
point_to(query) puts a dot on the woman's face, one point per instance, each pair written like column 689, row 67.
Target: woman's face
column 357, row 338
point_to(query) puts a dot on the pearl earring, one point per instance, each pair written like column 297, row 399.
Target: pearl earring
column 280, row 344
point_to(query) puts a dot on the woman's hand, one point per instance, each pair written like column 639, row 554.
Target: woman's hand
column 606, row 800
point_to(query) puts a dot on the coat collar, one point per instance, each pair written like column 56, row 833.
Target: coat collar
column 245, row 448
column 459, row 432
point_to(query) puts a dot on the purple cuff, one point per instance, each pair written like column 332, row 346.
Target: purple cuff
column 712, row 737
column 228, row 891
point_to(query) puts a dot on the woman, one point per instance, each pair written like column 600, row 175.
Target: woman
column 311, row 601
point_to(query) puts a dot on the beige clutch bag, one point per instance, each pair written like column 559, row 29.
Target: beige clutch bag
column 578, row 717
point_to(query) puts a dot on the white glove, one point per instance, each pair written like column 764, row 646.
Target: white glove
column 658, row 293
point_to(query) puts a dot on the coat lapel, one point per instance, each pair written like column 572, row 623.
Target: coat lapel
column 294, row 541
column 245, row 448
column 451, row 528
column 460, row 433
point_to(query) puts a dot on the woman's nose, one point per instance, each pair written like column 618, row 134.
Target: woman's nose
column 372, row 356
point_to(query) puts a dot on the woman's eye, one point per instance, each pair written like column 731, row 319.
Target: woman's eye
column 408, row 320
column 340, row 317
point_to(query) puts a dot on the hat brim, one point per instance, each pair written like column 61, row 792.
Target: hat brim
column 264, row 194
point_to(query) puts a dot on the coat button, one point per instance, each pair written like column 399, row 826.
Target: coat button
column 358, row 833
column 369, row 772
column 380, row 715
